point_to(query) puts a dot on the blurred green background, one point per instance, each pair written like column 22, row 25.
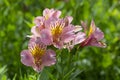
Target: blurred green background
column 89, row 63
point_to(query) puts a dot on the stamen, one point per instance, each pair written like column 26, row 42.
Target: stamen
column 56, row 28
column 37, row 50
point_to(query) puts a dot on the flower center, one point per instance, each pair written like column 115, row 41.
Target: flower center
column 57, row 28
column 37, row 52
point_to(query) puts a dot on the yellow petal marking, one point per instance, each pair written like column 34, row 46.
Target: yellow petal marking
column 37, row 53
column 57, row 29
column 90, row 31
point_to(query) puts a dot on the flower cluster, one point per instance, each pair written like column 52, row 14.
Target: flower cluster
column 51, row 30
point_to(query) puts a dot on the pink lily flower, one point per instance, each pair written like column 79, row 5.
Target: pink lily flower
column 40, row 21
column 95, row 36
column 37, row 56
column 58, row 32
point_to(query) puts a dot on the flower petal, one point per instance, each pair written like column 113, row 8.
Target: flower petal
column 77, row 28
column 48, row 13
column 58, row 44
column 49, row 22
column 94, row 42
column 68, row 34
column 31, row 43
column 36, row 41
column 68, row 29
column 68, row 20
column 46, row 37
column 49, row 58
column 39, row 20
column 26, row 58
column 84, row 25
column 98, row 34
column 92, row 28
column 67, row 37
column 57, row 14
column 35, row 30
column 80, row 37
column 38, row 68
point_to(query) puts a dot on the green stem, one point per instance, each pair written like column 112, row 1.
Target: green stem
column 39, row 75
